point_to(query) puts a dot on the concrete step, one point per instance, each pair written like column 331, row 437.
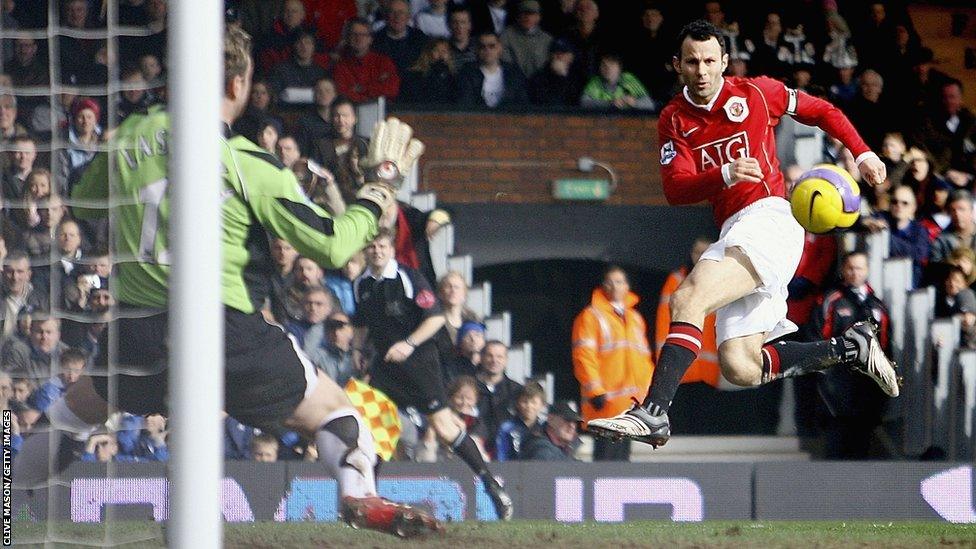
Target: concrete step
column 700, row 449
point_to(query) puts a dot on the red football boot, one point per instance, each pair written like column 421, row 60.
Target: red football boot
column 376, row 513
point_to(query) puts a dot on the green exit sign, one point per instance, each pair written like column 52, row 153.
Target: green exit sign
column 581, row 189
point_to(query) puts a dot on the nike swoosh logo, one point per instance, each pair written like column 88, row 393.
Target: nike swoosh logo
column 813, row 199
column 689, row 132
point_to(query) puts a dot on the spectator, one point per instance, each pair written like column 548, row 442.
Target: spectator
column 491, row 83
column 469, row 343
column 360, row 73
column 258, row 111
column 764, row 52
column 69, row 245
column 908, row 237
column 27, row 67
column 72, row 367
column 77, row 55
column 267, row 134
column 306, row 274
column 558, row 440
column 84, row 334
column 585, row 39
column 530, row 402
column 650, row 56
column 414, row 230
column 432, row 79
column 554, row 85
column 328, row 17
column 341, row 282
column 962, row 230
column 287, row 150
column 965, row 259
column 949, row 134
column 316, row 307
column 558, row 16
column 20, row 162
column 132, row 48
column 9, row 127
column 497, row 391
column 152, row 70
column 875, row 37
column 462, row 46
column 84, row 136
column 923, row 90
column 264, row 448
column 893, row 151
column 463, row 395
column 397, row 39
column 932, row 190
column 611, row 356
column 854, row 401
column 954, row 298
column 869, row 113
column 333, row 354
column 525, row 44
column 489, row 16
column 432, row 20
column 317, row 124
column 301, row 70
column 284, row 255
column 22, row 388
column 615, row 89
column 136, row 97
column 47, row 117
column 276, row 47
column 237, row 438
column 101, row 448
column 149, row 443
column 37, row 357
column 340, row 152
column 452, row 290
column 19, row 295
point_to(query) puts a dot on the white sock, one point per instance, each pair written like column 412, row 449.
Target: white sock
column 352, row 469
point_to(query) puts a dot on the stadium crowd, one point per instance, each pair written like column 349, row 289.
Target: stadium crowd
column 317, row 60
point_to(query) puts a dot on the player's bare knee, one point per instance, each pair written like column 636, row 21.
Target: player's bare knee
column 317, row 405
column 444, row 424
column 686, row 305
column 740, row 368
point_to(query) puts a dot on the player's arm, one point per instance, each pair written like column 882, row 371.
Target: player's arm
column 814, row 111
column 92, row 189
column 682, row 182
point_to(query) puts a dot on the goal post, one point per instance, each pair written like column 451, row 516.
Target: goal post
column 196, row 327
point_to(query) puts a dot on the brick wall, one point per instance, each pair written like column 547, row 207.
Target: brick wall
column 476, row 157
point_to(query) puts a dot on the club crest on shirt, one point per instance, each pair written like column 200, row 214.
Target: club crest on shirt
column 667, row 153
column 736, row 109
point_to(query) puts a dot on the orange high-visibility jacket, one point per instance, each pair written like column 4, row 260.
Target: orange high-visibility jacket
column 705, row 368
column 611, row 355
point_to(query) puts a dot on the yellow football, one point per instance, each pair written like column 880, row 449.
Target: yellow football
column 825, row 198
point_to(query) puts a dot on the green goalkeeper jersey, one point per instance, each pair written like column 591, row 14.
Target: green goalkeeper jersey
column 259, row 194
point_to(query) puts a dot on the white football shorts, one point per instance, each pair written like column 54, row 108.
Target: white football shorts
column 770, row 237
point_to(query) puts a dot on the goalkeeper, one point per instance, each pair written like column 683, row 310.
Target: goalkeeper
column 269, row 384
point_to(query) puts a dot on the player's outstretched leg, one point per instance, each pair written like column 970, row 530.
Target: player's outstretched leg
column 859, row 348
column 345, row 445
column 450, row 431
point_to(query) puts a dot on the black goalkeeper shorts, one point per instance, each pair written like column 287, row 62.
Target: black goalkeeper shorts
column 416, row 382
column 264, row 378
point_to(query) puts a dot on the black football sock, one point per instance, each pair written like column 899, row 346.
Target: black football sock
column 681, row 348
column 466, row 449
column 794, row 358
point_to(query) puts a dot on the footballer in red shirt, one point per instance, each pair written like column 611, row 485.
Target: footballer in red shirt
column 718, row 144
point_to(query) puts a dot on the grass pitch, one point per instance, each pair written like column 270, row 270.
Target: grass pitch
column 534, row 534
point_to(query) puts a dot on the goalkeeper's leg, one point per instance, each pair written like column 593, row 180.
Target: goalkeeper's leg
column 50, row 448
column 345, row 445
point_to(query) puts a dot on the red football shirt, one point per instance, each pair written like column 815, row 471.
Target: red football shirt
column 696, row 141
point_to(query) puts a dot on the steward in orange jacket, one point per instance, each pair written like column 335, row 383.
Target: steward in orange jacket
column 611, row 354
